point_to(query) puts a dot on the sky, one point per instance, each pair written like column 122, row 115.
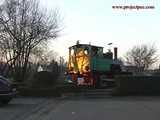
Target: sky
column 95, row 22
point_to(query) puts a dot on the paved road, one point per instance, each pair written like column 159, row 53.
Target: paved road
column 83, row 108
column 28, row 108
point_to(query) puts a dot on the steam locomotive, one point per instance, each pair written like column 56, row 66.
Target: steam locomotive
column 89, row 66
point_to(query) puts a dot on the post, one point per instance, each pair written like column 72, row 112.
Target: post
column 115, row 53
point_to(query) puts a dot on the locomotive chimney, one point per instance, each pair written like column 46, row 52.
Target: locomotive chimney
column 115, row 53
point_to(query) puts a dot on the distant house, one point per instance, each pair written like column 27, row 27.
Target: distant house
column 39, row 69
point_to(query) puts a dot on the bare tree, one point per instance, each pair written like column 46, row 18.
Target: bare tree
column 142, row 56
column 23, row 26
column 41, row 54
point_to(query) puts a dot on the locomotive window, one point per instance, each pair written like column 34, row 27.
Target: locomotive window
column 86, row 52
column 94, row 51
column 100, row 52
column 72, row 51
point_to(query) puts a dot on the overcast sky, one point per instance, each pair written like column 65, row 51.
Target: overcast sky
column 95, row 21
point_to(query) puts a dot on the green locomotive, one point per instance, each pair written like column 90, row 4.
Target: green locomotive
column 88, row 65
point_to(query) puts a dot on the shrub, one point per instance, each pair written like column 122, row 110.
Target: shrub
column 137, row 85
column 43, row 79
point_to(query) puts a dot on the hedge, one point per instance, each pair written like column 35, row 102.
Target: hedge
column 126, row 85
column 55, row 91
